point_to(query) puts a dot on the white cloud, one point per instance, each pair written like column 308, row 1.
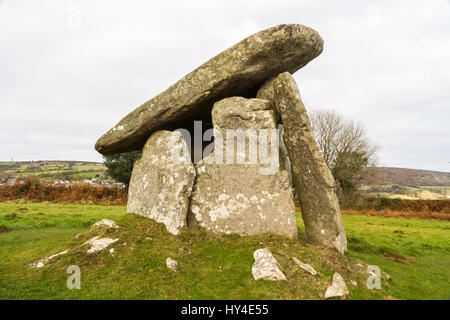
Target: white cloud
column 385, row 64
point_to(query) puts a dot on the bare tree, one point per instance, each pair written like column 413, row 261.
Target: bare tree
column 346, row 148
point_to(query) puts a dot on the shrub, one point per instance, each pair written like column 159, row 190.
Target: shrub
column 34, row 190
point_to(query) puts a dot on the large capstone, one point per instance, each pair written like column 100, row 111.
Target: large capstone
column 238, row 71
column 312, row 178
column 162, row 180
column 240, row 188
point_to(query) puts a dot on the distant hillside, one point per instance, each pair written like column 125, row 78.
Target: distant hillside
column 53, row 170
column 410, row 184
column 411, row 177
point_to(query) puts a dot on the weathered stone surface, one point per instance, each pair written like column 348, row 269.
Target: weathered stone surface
column 100, row 244
column 238, row 71
column 90, row 240
column 244, row 198
column 308, row 268
column 172, row 264
column 313, row 181
column 266, row 266
column 338, row 288
column 42, row 262
column 106, row 222
column 266, row 92
column 162, row 180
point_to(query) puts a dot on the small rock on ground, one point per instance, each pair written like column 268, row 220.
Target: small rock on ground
column 266, row 266
column 308, row 268
column 100, row 244
column 40, row 263
column 172, row 264
column 107, row 222
column 338, row 288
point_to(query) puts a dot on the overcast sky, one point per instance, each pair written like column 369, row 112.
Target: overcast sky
column 70, row 70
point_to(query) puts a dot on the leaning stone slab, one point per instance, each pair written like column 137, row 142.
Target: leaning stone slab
column 241, row 196
column 266, row 266
column 162, row 180
column 237, row 71
column 312, row 178
column 338, row 288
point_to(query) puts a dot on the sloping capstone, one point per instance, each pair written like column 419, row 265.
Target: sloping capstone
column 237, row 189
column 162, row 180
column 237, row 71
column 312, row 178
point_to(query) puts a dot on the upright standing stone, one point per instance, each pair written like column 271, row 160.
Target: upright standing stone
column 266, row 92
column 313, row 181
column 162, row 180
column 242, row 196
column 237, row 71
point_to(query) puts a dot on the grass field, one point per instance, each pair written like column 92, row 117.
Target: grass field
column 414, row 253
column 52, row 170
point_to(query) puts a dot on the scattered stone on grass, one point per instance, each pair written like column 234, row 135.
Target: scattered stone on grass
column 106, row 222
column 338, row 288
column 40, row 263
column 266, row 266
column 100, row 244
column 172, row 264
column 308, row 268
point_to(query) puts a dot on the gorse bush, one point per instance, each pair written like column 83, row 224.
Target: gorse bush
column 424, row 214
column 34, row 190
column 426, row 209
column 379, row 204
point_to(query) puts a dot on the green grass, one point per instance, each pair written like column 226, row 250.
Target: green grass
column 86, row 175
column 211, row 267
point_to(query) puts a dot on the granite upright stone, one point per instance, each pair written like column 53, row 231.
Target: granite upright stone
column 312, row 178
column 162, row 180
